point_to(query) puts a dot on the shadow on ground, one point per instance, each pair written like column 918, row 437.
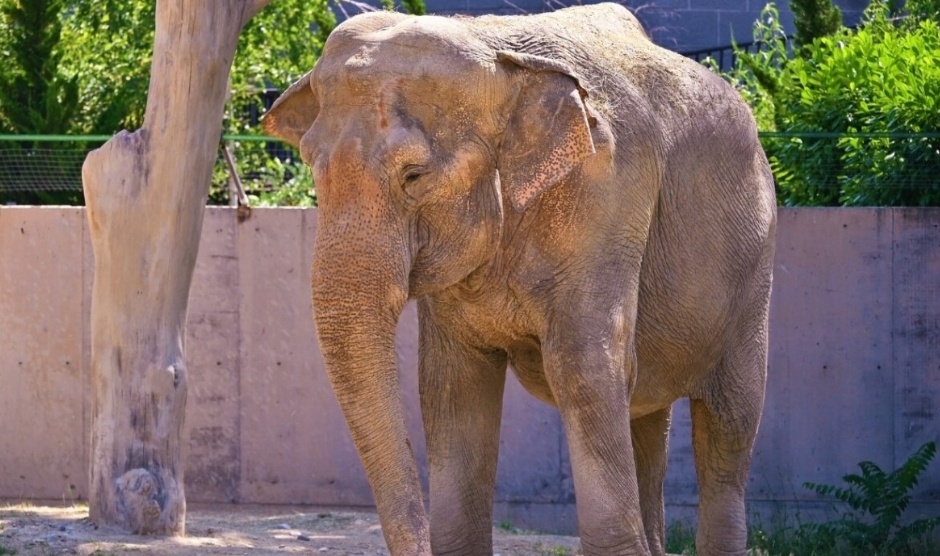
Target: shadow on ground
column 27, row 529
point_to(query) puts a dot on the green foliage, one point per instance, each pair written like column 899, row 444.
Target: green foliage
column 922, row 10
column 415, row 7
column 276, row 47
column 874, row 525
column 269, row 181
column 756, row 76
column 878, row 501
column 107, row 48
column 880, row 79
column 35, row 96
column 789, row 536
column 874, row 87
column 680, row 538
column 814, row 19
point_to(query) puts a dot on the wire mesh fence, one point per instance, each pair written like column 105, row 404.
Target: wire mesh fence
column 51, row 165
column 810, row 168
column 855, row 169
column 44, row 162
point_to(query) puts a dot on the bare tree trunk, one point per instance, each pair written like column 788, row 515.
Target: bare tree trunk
column 146, row 192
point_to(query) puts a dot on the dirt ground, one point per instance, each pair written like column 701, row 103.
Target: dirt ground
column 27, row 529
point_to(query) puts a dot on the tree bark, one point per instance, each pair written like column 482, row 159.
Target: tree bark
column 146, row 192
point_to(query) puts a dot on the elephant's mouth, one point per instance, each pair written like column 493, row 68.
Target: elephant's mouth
column 424, row 278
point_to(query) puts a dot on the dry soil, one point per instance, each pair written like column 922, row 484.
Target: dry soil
column 43, row 530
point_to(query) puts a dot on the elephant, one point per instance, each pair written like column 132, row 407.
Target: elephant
column 560, row 197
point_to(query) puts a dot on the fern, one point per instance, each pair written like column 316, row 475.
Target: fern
column 878, row 500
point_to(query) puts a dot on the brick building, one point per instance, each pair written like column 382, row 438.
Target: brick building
column 680, row 25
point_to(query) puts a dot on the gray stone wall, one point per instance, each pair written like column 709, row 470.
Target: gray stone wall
column 681, row 25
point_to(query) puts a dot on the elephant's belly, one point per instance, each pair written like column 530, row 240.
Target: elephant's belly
column 642, row 405
column 526, row 361
column 651, row 393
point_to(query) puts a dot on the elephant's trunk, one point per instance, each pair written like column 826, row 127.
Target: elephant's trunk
column 360, row 286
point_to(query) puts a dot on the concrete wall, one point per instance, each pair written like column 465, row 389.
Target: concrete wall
column 854, row 368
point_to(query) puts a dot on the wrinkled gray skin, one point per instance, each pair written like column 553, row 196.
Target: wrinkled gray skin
column 560, row 196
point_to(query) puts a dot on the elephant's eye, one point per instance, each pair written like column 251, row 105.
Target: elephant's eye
column 412, row 172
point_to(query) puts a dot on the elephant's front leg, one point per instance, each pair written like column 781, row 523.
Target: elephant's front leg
column 461, row 403
column 589, row 365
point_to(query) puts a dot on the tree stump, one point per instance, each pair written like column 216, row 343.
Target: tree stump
column 146, row 192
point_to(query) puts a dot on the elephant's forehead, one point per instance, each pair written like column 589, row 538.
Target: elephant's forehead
column 431, row 48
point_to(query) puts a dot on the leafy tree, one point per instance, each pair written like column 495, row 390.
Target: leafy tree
column 880, row 79
column 35, row 95
column 108, row 47
column 814, row 19
column 83, row 67
column 415, row 7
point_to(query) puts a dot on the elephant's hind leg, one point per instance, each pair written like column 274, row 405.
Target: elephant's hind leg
column 724, row 426
column 650, row 435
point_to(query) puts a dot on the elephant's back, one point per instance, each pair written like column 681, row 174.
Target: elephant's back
column 712, row 233
column 606, row 46
column 708, row 259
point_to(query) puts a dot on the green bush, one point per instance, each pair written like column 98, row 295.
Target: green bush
column 276, row 47
column 269, row 181
column 82, row 67
column 877, row 501
column 876, row 88
column 874, row 524
column 881, row 79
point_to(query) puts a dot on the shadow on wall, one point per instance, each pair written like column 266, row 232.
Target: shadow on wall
column 854, row 355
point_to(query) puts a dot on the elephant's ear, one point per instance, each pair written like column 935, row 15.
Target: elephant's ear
column 293, row 112
column 548, row 132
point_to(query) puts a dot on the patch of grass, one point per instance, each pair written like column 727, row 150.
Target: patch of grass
column 680, row 538
column 4, row 550
column 784, row 540
column 508, row 527
column 791, row 537
column 554, row 550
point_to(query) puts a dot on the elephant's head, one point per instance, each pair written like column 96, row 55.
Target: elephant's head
column 416, row 132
